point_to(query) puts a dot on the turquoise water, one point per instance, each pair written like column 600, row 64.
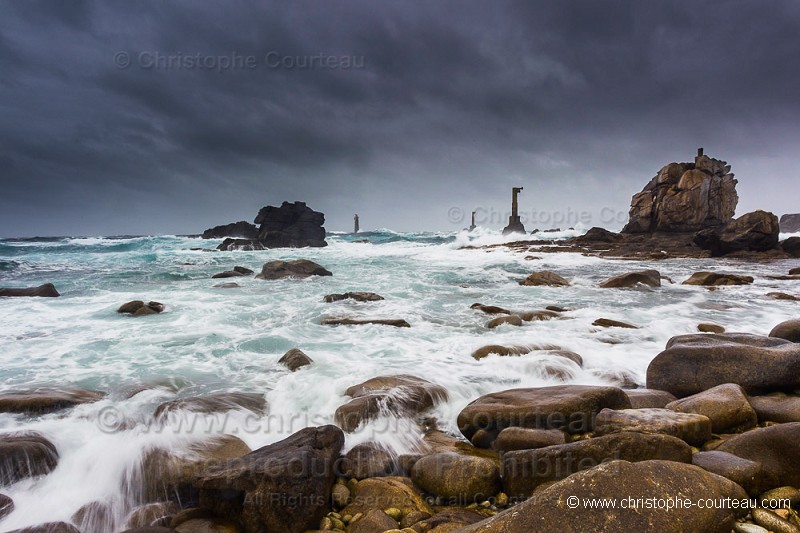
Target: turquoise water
column 213, row 340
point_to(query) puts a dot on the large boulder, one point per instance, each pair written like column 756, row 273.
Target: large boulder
column 369, row 459
column 299, row 268
column 650, row 278
column 25, row 455
column 524, row 470
column 294, row 359
column 788, row 330
column 458, row 478
column 685, row 197
column 45, row 400
column 717, row 278
column 692, row 428
column 571, row 408
column 747, row 474
column 516, row 438
column 694, row 363
column 281, row 488
column 757, row 231
column 46, row 290
column 290, row 225
column 791, row 246
column 776, row 448
column 566, row 506
column 241, row 230
column 790, row 223
column 776, row 407
column 397, row 395
column 725, row 405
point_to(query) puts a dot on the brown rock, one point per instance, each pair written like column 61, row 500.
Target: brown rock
column 757, row 231
column 608, row 323
column 692, row 428
column 95, row 517
column 516, row 438
column 208, row 525
column 524, row 470
column 448, row 520
column 50, row 527
column 357, row 296
column 544, row 278
column 47, row 290
column 299, row 268
column 645, row 398
column 369, row 459
column 782, row 296
column 531, row 316
column 215, row 403
column 747, row 474
column 294, row 359
column 25, row 455
column 650, row 278
column 776, row 408
column 230, row 285
column 717, row 278
column 794, row 271
column 725, row 405
column 374, row 521
column 384, row 493
column 710, row 328
column 772, row 522
column 490, row 309
column 497, row 349
column 460, row 479
column 776, row 448
column 788, row 330
column 340, row 321
column 149, row 513
column 45, row 400
column 513, row 320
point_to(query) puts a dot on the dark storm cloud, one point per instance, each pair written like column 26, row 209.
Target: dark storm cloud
column 447, row 104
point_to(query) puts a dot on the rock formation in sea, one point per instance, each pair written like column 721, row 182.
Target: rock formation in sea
column 292, row 225
column 790, row 223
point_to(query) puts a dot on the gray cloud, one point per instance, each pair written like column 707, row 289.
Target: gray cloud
column 455, row 102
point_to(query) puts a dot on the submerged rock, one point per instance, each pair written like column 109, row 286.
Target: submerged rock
column 511, row 320
column 649, row 278
column 299, row 268
column 45, row 400
column 294, row 359
column 490, row 309
column 609, row 323
column 344, row 321
column 280, row 488
column 215, row 403
column 25, row 455
column 357, row 296
column 48, row 290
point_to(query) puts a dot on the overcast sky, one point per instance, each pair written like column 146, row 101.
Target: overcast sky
column 170, row 117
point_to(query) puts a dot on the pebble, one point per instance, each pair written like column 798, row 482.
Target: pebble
column 772, row 522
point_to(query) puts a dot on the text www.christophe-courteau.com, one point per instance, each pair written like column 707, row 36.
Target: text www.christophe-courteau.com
column 675, row 502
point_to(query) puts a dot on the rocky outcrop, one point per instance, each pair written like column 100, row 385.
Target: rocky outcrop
column 717, row 278
column 292, row 225
column 551, row 510
column 756, row 232
column 240, row 230
column 294, row 359
column 45, row 400
column 694, row 363
column 47, row 290
column 139, row 308
column 649, row 278
column 281, row 488
column 25, row 455
column 344, row 321
column 685, row 197
column 790, row 223
column 357, row 296
column 299, row 268
column 544, row 278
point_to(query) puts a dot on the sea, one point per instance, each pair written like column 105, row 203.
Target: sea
column 211, row 340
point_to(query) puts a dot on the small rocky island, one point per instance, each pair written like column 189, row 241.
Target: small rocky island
column 292, row 225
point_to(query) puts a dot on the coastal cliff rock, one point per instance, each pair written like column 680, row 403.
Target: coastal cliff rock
column 241, row 229
column 685, row 197
column 757, row 231
column 790, row 223
column 292, row 225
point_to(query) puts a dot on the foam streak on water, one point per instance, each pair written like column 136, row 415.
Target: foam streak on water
column 213, row 340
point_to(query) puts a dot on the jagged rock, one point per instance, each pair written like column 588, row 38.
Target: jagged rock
column 524, row 470
column 490, row 309
column 25, row 455
column 399, row 395
column 747, row 474
column 757, row 231
column 48, row 290
column 294, row 359
column 45, row 400
column 609, row 323
column 685, row 197
column 694, row 363
column 241, row 230
column 215, row 403
column 791, row 246
column 717, row 278
column 139, row 308
column 790, row 223
column 6, row 506
column 645, row 398
column 788, row 330
column 650, row 278
column 546, row 278
column 281, row 488
column 692, row 428
column 343, row 321
column 776, row 448
column 357, row 296
column 725, row 405
column 460, row 479
column 300, row 268
column 571, row 408
column 656, row 480
column 290, row 225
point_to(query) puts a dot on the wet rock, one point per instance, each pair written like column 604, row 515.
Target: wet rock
column 549, row 510
column 245, row 245
column 512, row 320
column 50, row 527
column 725, row 405
column 241, row 229
column 139, row 308
column 490, row 309
column 342, row 321
column 571, row 408
column 372, row 522
column 357, row 296
column 148, row 514
column 710, row 328
column 215, row 403
column 369, row 459
column 498, row 349
column 166, row 475
column 788, row 330
column 747, row 474
column 791, row 246
column 398, row 395
column 384, row 493
column 206, row 525
column 776, row 408
column 25, row 455
column 544, row 278
column 45, row 400
column 794, row 271
column 757, row 231
column 150, row 529
column 717, row 278
column 294, row 359
column 48, row 290
column 227, row 274
column 516, row 438
column 775, row 448
column 95, row 517
column 649, row 278
column 692, row 428
column 609, row 323
column 646, row 398
column 772, row 522
column 694, row 363
column 299, row 268
column 524, row 470
column 460, row 479
column 6, row 506
column 280, row 488
column 783, row 296
column 532, row 316
column 230, row 285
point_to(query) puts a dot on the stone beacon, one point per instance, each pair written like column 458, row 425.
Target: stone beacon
column 355, row 223
column 472, row 226
column 514, row 223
